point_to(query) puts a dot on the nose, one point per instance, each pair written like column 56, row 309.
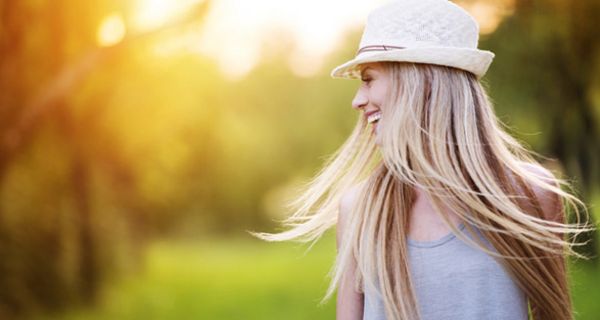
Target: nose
column 360, row 99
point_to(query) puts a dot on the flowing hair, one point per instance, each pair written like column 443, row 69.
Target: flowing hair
column 439, row 133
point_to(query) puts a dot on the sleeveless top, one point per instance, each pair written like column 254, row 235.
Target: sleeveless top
column 453, row 280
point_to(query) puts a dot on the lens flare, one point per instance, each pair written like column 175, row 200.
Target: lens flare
column 111, row 30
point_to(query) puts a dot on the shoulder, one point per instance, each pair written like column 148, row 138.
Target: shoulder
column 349, row 197
column 348, row 201
column 549, row 201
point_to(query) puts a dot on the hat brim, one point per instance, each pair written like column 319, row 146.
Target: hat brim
column 473, row 60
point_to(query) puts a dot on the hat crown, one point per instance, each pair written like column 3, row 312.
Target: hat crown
column 420, row 23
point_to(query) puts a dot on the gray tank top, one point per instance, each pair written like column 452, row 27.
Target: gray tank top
column 454, row 281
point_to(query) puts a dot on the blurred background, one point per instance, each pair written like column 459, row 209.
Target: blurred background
column 140, row 139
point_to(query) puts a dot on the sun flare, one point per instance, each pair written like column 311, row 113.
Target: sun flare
column 152, row 14
column 111, row 30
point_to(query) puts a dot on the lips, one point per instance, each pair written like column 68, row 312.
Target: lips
column 373, row 116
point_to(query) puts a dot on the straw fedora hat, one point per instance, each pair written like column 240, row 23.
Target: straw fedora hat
column 420, row 31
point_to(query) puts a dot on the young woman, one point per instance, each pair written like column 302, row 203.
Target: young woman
column 440, row 213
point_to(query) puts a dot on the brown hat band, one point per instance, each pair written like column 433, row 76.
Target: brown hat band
column 377, row 48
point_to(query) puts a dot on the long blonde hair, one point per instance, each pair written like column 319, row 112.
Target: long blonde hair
column 439, row 133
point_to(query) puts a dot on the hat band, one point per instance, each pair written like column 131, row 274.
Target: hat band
column 377, row 48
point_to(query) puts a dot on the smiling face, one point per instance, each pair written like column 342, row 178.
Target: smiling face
column 371, row 94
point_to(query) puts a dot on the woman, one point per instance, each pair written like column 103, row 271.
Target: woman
column 440, row 213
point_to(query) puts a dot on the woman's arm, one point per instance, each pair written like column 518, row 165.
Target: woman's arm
column 350, row 303
column 552, row 210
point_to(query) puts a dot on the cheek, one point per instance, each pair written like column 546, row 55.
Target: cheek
column 379, row 94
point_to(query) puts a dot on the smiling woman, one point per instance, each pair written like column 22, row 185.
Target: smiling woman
column 440, row 213
column 371, row 94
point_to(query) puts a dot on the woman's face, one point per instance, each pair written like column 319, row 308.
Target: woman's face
column 371, row 94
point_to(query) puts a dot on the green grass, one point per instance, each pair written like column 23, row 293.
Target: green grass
column 248, row 279
column 230, row 279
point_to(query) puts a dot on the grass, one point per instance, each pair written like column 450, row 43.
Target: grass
column 247, row 279
column 231, row 279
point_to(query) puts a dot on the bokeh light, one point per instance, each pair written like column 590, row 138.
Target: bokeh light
column 151, row 14
column 111, row 30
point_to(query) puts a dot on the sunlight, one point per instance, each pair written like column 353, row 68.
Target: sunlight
column 239, row 34
column 151, row 14
column 488, row 14
column 111, row 30
column 489, row 17
column 236, row 30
